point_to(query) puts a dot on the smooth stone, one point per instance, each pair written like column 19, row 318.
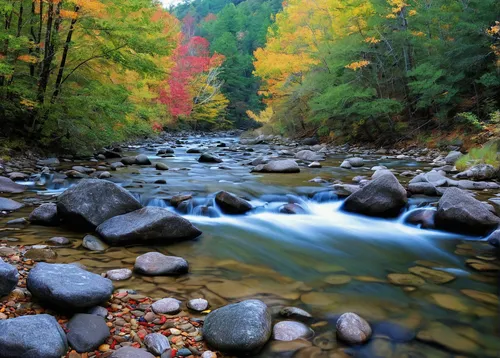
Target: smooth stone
column 292, row 209
column 59, row 241
column 157, row 264
column 166, row 306
column 86, row 332
column 231, row 204
column 479, row 172
column 93, row 243
column 295, row 313
column 309, row 155
column 421, row 217
column 131, row 352
column 484, row 297
column 40, row 254
column 161, row 166
column 8, row 186
column 356, row 162
column 117, row 165
column 494, row 238
column 98, row 311
column 337, row 279
column 353, row 329
column 36, row 336
column 405, row 279
column 435, row 276
column 209, row 158
column 8, row 278
column 279, row 166
column 198, row 304
column 142, row 159
column 119, row 274
column 177, row 199
column 315, row 165
column 346, row 165
column 291, row 330
column 9, row 205
column 447, row 337
column 238, row 328
column 68, row 286
column 157, row 343
column 326, row 341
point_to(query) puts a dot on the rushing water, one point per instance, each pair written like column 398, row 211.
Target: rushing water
column 326, row 261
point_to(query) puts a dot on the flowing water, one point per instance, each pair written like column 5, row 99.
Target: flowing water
column 326, row 261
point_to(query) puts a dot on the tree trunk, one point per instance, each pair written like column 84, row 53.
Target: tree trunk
column 33, row 36
column 47, row 57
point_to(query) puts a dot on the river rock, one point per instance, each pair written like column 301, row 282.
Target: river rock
column 142, row 159
column 45, row 214
column 93, row 243
column 238, row 328
column 111, row 154
column 40, row 254
column 479, row 172
column 209, row 158
column 128, row 160
column 119, row 274
column 177, row 199
column 8, row 186
column 353, row 329
column 279, row 166
column 68, row 286
column 476, row 185
column 91, row 202
column 117, row 165
column 295, row 313
column 147, row 224
column 346, row 165
column 309, row 155
column 157, row 264
column 434, row 276
column 422, row 217
column 8, row 278
column 494, row 238
column 382, row 197
column 86, row 332
column 59, row 241
column 51, row 162
column 161, row 166
column 9, row 205
column 131, row 352
column 293, row 209
column 423, row 188
column 198, row 304
column 157, row 344
column 169, row 306
column 194, row 150
column 459, row 212
column 315, row 165
column 34, row 336
column 452, row 157
column 231, row 204
column 356, row 162
column 291, row 330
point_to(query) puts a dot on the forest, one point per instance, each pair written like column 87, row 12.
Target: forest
column 81, row 74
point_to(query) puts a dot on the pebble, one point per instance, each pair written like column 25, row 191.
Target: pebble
column 167, row 306
column 119, row 274
column 198, row 304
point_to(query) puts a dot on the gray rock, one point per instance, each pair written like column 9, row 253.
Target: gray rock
column 157, row 344
column 279, row 166
column 49, row 162
column 68, row 286
column 45, row 214
column 495, row 202
column 315, row 165
column 198, row 304
column 8, row 186
column 346, row 165
column 292, row 209
column 59, row 241
column 295, row 313
column 119, row 274
column 166, row 306
column 476, row 185
column 145, row 225
column 382, row 197
column 91, row 202
column 238, row 328
column 479, row 172
column 194, row 150
column 422, row 217
column 131, row 352
column 231, row 204
column 161, row 166
column 117, row 165
column 422, row 188
column 98, row 311
column 157, row 264
column 209, row 158
column 104, row 175
column 142, row 159
column 38, row 336
column 353, row 329
column 356, row 162
column 86, row 332
column 93, row 243
column 309, row 155
column 177, row 199
column 8, row 278
column 452, row 157
column 111, row 154
column 459, row 212
column 290, row 331
column 494, row 238
column 9, row 205
column 128, row 160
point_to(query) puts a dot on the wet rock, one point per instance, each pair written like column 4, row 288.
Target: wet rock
column 59, row 241
column 295, row 313
column 346, row 165
column 231, row 204
column 8, row 186
column 119, row 274
column 17, row 222
column 382, row 197
column 9, row 205
column 483, row 297
column 111, row 154
column 452, row 157
column 476, row 185
column 117, row 165
column 337, row 279
column 91, row 202
column 309, row 155
column 194, row 150
column 423, row 188
column 238, row 328
column 68, row 286
column 104, row 175
column 157, row 344
column 292, row 209
column 209, row 158
column 326, row 341
column 142, row 159
column 45, row 214
column 8, row 278
column 156, row 264
column 32, row 336
column 17, row 176
column 447, row 337
column 353, row 329
column 315, row 165
column 86, row 332
column 145, row 225
column 405, row 279
column 166, row 306
column 198, row 304
column 128, row 161
column 291, row 330
column 50, row 162
column 93, row 243
column 434, row 276
column 494, row 238
column 279, row 166
column 98, row 311
column 161, row 166
column 459, row 212
column 422, row 217
column 432, row 177
column 39, row 254
column 177, row 199
column 131, row 352
column 479, row 172
column 356, row 162
column 165, row 151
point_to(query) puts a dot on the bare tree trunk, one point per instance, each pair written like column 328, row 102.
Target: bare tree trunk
column 47, row 58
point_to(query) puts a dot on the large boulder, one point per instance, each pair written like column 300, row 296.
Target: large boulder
column 157, row 264
column 8, row 278
column 86, row 332
column 238, row 328
column 145, row 225
column 479, row 172
column 209, row 158
column 8, row 186
column 142, row 159
column 279, row 166
column 45, row 214
column 382, row 197
column 91, row 202
column 32, row 337
column 231, row 204
column 68, row 286
column 422, row 217
column 9, row 205
column 459, row 212
column 309, row 155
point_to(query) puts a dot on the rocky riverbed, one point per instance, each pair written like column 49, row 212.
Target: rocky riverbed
column 215, row 246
